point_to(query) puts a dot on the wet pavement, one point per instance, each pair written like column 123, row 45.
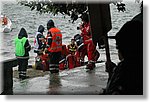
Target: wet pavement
column 76, row 81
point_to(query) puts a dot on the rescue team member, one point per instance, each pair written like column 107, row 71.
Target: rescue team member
column 80, row 53
column 70, row 58
column 39, row 42
column 22, row 48
column 89, row 46
column 72, row 47
column 5, row 20
column 64, row 53
column 54, row 42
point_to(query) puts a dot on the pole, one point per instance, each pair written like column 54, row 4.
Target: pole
column 100, row 20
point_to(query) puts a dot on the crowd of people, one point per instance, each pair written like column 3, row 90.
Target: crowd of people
column 52, row 55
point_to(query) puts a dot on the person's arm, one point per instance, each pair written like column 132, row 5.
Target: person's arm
column 27, row 46
column 42, row 38
column 88, row 30
column 49, row 39
column 39, row 38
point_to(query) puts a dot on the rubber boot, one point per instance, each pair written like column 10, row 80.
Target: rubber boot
column 22, row 75
column 90, row 65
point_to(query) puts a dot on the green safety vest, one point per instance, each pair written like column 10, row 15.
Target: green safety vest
column 19, row 46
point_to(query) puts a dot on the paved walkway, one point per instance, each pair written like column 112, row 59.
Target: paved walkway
column 76, row 81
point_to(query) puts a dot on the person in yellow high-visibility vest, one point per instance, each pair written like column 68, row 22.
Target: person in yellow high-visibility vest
column 72, row 47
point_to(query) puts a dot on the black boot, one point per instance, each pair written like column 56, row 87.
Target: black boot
column 25, row 77
column 90, row 65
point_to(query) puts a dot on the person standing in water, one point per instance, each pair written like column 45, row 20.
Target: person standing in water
column 54, row 43
column 89, row 47
column 22, row 48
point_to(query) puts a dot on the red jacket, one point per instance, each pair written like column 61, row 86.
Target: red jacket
column 86, row 32
column 56, row 45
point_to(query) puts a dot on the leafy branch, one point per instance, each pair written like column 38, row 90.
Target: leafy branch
column 72, row 9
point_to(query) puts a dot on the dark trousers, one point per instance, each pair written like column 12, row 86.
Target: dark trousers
column 22, row 67
column 54, row 59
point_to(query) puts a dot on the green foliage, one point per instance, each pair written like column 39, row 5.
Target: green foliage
column 72, row 9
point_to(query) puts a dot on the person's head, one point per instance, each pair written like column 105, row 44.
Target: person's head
column 129, row 40
column 22, row 33
column 72, row 41
column 85, row 17
column 41, row 29
column 50, row 24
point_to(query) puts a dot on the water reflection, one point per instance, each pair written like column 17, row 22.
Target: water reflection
column 54, row 83
column 21, row 86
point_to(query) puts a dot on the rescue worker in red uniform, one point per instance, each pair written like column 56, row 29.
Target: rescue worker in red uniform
column 54, row 42
column 89, row 46
column 5, row 20
column 64, row 53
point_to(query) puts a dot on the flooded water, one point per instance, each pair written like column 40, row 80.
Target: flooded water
column 22, row 16
column 75, row 81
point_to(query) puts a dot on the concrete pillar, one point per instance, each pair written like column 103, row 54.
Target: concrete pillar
column 100, row 20
column 7, row 67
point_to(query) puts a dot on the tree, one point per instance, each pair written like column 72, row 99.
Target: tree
column 72, row 9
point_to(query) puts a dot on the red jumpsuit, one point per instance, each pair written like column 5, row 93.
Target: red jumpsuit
column 89, row 47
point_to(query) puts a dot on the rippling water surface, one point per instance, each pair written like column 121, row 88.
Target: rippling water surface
column 22, row 16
